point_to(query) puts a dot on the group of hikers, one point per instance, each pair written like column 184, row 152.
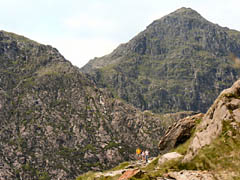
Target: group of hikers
column 142, row 155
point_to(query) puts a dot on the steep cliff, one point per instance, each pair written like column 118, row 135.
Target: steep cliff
column 179, row 62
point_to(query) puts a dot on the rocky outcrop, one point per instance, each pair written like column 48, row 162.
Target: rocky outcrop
column 178, row 133
column 180, row 62
column 214, row 145
column 224, row 109
column 168, row 157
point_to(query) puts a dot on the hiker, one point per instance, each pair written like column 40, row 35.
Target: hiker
column 138, row 153
column 146, row 155
column 143, row 155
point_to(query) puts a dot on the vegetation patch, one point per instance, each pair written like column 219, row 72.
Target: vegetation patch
column 87, row 176
column 120, row 166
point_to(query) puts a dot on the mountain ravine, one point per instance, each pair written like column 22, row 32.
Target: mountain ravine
column 179, row 62
column 56, row 124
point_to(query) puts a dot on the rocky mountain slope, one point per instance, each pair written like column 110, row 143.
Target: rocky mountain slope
column 55, row 123
column 179, row 62
column 211, row 153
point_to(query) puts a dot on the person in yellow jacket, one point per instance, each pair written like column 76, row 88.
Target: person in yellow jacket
column 138, row 153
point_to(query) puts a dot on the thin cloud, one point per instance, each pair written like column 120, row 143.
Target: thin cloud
column 88, row 48
column 88, row 22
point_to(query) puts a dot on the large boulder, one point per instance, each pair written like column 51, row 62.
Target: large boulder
column 178, row 133
column 168, row 157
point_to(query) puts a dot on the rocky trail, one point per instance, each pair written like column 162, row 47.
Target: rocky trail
column 132, row 169
column 136, row 169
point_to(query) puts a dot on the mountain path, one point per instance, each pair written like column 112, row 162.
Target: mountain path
column 133, row 165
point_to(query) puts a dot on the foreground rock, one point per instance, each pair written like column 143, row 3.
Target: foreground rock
column 225, row 109
column 215, row 142
column 168, row 157
column 178, row 133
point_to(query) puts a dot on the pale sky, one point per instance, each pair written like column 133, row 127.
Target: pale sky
column 84, row 29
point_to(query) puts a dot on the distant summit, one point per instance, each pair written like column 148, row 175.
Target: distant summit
column 179, row 62
column 185, row 12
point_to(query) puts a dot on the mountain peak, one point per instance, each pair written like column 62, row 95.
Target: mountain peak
column 185, row 12
column 179, row 17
